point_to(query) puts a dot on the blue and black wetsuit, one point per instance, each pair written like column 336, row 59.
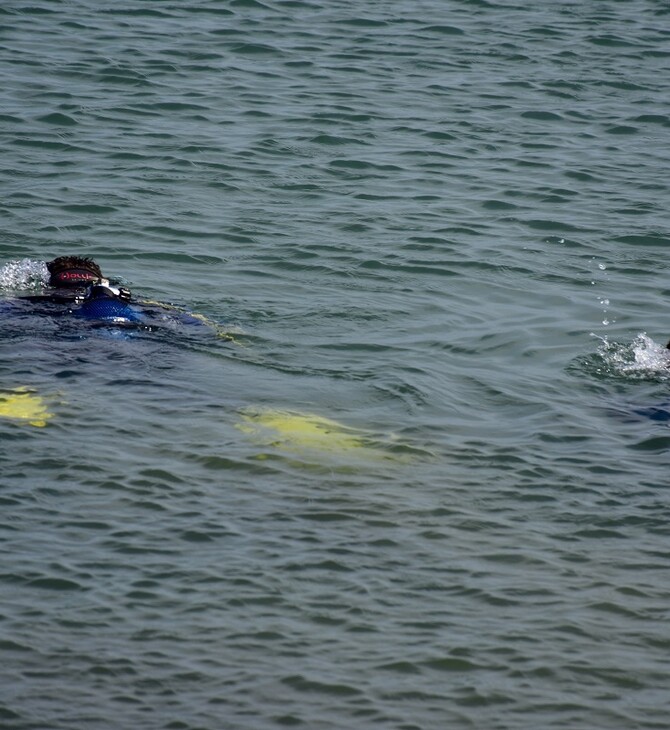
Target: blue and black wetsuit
column 99, row 302
column 78, row 291
column 105, row 303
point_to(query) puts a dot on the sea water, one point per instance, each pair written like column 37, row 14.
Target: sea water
column 425, row 484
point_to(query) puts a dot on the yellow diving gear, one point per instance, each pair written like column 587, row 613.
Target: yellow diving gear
column 20, row 404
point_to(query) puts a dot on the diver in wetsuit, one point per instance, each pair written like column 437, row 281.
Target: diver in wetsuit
column 79, row 286
column 78, row 282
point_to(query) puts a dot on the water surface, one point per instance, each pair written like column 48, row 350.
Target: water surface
column 441, row 225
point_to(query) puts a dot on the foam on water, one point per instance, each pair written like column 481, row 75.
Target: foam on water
column 641, row 359
column 23, row 274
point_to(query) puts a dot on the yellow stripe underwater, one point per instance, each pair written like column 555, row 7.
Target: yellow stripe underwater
column 21, row 405
column 295, row 432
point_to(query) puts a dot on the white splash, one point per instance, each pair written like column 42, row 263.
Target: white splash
column 642, row 358
column 649, row 355
column 23, row 274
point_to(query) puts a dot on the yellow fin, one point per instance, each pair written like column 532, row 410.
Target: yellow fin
column 299, row 430
column 306, row 433
column 20, row 404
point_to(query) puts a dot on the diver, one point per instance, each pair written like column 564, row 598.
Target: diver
column 78, row 283
column 77, row 287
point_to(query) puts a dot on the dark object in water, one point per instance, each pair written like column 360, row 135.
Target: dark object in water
column 70, row 272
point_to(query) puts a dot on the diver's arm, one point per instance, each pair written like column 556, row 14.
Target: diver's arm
column 180, row 315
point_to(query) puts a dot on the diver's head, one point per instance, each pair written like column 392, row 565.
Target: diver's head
column 71, row 272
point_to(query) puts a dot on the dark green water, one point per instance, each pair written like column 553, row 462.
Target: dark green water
column 443, row 224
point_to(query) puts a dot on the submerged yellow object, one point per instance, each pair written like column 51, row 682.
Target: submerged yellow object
column 294, row 430
column 307, row 433
column 20, row 404
column 301, row 432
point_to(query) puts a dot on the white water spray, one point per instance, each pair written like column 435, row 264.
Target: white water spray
column 23, row 274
